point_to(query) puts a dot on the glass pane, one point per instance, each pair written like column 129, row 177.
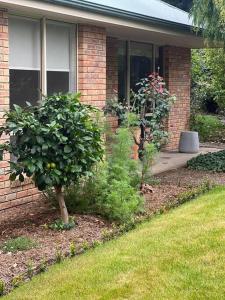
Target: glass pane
column 24, row 44
column 122, row 70
column 58, row 47
column 24, row 86
column 57, row 82
column 141, row 62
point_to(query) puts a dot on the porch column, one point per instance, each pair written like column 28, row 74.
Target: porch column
column 112, row 76
column 178, row 77
column 4, row 101
column 92, row 64
column 111, row 67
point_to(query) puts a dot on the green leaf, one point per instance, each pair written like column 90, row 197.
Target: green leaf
column 31, row 168
column 21, row 178
column 44, row 147
column 12, row 177
column 17, row 108
column 67, row 149
column 1, row 154
column 40, row 140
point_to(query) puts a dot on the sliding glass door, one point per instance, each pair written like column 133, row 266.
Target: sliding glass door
column 141, row 62
column 136, row 61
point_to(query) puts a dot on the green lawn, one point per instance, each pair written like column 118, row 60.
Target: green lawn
column 179, row 255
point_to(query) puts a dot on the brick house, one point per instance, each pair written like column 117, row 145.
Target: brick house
column 96, row 47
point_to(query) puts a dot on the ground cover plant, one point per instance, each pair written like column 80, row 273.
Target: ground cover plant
column 54, row 143
column 20, row 243
column 208, row 162
column 180, row 256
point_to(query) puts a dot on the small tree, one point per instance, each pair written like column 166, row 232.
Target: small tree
column 55, row 143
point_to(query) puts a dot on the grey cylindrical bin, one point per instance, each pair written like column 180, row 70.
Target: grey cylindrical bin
column 189, row 142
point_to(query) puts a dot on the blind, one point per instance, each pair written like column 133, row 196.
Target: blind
column 24, row 44
column 58, row 47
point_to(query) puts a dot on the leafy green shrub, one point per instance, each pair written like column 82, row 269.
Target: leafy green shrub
column 208, row 86
column 60, row 225
column 72, row 249
column 120, row 165
column 2, row 287
column 147, row 161
column 210, row 128
column 21, row 243
column 55, row 143
column 112, row 190
column 208, row 162
column 122, row 202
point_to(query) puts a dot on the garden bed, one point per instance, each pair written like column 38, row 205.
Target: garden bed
column 29, row 221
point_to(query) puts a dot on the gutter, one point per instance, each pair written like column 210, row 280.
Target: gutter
column 119, row 13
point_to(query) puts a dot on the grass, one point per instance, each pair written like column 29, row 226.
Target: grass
column 179, row 255
column 20, row 243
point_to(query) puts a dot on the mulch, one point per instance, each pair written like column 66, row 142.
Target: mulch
column 29, row 221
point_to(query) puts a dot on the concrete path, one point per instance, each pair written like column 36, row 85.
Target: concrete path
column 173, row 160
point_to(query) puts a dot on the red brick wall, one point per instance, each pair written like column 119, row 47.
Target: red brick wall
column 92, row 64
column 178, row 77
column 15, row 193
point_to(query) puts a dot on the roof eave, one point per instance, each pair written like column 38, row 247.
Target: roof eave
column 97, row 8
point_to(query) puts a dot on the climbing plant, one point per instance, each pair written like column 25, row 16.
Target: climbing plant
column 147, row 109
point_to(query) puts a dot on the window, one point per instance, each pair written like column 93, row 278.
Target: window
column 29, row 47
column 59, row 48
column 24, row 61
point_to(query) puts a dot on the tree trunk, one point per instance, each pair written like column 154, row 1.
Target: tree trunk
column 62, row 204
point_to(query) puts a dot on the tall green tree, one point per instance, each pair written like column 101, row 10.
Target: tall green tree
column 182, row 4
column 210, row 15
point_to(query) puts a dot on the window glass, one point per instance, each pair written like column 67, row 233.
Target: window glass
column 141, row 62
column 58, row 82
column 58, row 57
column 24, row 60
column 24, row 86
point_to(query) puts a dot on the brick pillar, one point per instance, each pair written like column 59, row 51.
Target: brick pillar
column 112, row 76
column 4, row 98
column 111, row 67
column 178, row 78
column 92, row 64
